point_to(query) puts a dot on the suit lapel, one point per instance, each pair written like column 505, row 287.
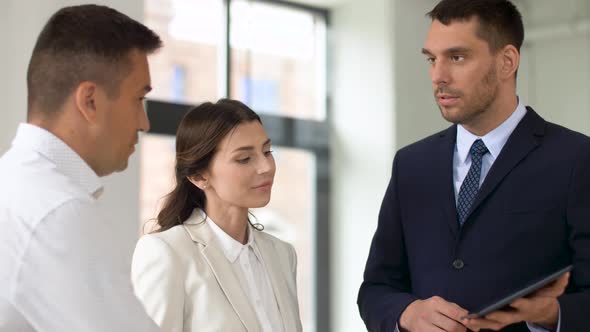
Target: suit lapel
column 524, row 139
column 443, row 161
column 201, row 233
column 270, row 259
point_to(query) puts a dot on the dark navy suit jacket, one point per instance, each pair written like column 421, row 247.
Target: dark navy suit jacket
column 530, row 217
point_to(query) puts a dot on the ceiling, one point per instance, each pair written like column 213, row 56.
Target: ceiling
column 320, row 3
column 535, row 12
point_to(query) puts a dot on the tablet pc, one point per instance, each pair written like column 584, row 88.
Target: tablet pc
column 519, row 293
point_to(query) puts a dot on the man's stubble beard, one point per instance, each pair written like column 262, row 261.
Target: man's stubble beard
column 479, row 102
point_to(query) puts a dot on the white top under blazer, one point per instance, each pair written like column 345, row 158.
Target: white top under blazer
column 191, row 278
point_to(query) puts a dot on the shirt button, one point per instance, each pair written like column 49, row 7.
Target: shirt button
column 458, row 264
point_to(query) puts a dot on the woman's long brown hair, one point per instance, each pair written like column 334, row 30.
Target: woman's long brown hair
column 198, row 136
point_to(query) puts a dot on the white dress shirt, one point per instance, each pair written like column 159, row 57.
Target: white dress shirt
column 60, row 262
column 494, row 141
column 249, row 268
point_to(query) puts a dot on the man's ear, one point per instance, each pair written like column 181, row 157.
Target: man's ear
column 200, row 181
column 85, row 97
column 510, row 60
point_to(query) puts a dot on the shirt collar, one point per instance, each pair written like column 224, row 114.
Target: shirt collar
column 66, row 160
column 231, row 248
column 494, row 140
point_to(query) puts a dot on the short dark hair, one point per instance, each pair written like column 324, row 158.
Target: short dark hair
column 500, row 22
column 83, row 43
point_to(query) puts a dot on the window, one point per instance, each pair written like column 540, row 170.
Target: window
column 270, row 42
column 191, row 60
column 178, row 84
column 260, row 94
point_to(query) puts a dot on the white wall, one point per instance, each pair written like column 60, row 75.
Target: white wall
column 20, row 23
column 18, row 30
column 555, row 65
column 362, row 143
column 416, row 113
column 381, row 100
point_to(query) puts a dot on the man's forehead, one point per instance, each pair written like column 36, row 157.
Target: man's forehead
column 457, row 33
column 470, row 24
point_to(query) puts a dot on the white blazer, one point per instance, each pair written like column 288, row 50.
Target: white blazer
column 187, row 284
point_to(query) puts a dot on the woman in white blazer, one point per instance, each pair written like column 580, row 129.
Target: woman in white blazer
column 207, row 267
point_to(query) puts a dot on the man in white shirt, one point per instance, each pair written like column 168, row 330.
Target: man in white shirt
column 60, row 262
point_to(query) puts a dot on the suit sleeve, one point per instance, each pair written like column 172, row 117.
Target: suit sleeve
column 575, row 303
column 159, row 282
column 386, row 290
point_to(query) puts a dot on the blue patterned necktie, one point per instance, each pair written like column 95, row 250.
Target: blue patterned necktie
column 470, row 185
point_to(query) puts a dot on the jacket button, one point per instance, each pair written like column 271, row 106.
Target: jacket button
column 458, row 264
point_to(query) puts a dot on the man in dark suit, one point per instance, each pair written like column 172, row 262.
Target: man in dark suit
column 500, row 198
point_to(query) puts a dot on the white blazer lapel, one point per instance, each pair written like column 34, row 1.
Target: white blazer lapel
column 231, row 286
column 201, row 233
column 272, row 265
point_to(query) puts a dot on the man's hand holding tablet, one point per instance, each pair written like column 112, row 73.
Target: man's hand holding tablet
column 536, row 303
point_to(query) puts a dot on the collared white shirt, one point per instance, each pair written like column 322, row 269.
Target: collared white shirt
column 61, row 266
column 248, row 265
column 494, row 141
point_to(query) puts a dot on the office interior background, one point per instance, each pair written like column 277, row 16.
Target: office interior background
column 341, row 85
